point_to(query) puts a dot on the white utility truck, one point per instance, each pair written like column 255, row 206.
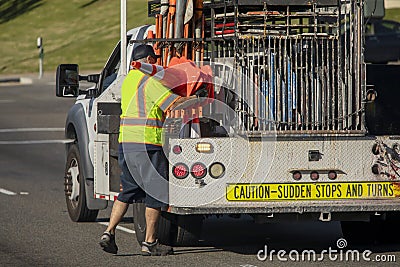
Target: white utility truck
column 300, row 128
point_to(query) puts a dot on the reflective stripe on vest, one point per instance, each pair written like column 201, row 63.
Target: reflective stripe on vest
column 141, row 122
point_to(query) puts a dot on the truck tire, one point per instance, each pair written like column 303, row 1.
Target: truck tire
column 188, row 230
column 164, row 232
column 74, row 184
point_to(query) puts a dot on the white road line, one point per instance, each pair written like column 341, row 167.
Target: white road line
column 10, row 193
column 119, row 228
column 36, row 142
column 31, row 130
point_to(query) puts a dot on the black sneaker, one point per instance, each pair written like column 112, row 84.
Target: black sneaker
column 156, row 249
column 107, row 242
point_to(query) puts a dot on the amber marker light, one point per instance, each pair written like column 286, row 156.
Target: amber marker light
column 203, row 147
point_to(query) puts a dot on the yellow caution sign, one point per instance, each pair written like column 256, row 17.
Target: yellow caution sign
column 312, row 191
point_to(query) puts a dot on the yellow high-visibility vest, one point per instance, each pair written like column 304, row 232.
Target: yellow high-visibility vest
column 143, row 103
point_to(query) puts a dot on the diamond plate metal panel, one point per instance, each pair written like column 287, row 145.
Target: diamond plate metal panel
column 272, row 161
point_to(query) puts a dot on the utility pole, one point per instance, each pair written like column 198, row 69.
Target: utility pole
column 123, row 38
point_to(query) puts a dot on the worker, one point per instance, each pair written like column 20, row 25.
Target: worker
column 144, row 102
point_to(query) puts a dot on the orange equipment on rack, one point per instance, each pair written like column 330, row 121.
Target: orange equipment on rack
column 182, row 76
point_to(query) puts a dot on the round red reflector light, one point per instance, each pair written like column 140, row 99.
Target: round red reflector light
column 314, row 175
column 297, row 175
column 177, row 149
column 180, row 171
column 332, row 175
column 198, row 170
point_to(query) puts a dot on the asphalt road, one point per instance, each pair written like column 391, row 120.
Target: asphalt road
column 35, row 229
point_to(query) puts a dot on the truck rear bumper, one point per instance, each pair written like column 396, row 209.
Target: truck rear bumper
column 295, row 207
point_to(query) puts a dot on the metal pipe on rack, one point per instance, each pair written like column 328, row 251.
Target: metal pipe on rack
column 203, row 23
column 170, row 29
column 312, row 85
column 248, row 98
column 344, row 73
column 294, row 84
column 267, row 78
column 289, row 91
column 159, row 28
column 351, row 71
column 329, row 97
column 318, row 89
column 180, row 11
column 308, row 95
column 278, row 80
column 164, row 14
column 324, row 102
column 198, row 28
column 272, row 83
column 283, row 81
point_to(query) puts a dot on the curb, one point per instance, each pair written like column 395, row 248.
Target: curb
column 10, row 80
column 20, row 80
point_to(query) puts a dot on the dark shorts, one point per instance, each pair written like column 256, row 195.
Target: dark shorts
column 144, row 177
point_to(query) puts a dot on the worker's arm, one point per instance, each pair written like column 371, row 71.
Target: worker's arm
column 169, row 101
column 185, row 102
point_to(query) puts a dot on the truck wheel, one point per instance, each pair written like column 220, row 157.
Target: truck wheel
column 164, row 233
column 75, row 189
column 188, row 230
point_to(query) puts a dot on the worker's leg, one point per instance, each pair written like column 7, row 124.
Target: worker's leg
column 151, row 246
column 107, row 240
column 130, row 192
column 156, row 186
column 118, row 211
column 152, row 216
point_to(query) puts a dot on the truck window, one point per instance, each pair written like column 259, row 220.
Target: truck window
column 111, row 68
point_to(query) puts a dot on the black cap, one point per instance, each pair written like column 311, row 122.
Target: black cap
column 143, row 51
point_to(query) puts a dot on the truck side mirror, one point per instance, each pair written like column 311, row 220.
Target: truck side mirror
column 67, row 80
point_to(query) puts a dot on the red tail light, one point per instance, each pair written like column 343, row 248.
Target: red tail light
column 198, row 170
column 180, row 171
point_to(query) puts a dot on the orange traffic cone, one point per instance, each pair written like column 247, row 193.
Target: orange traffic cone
column 146, row 68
